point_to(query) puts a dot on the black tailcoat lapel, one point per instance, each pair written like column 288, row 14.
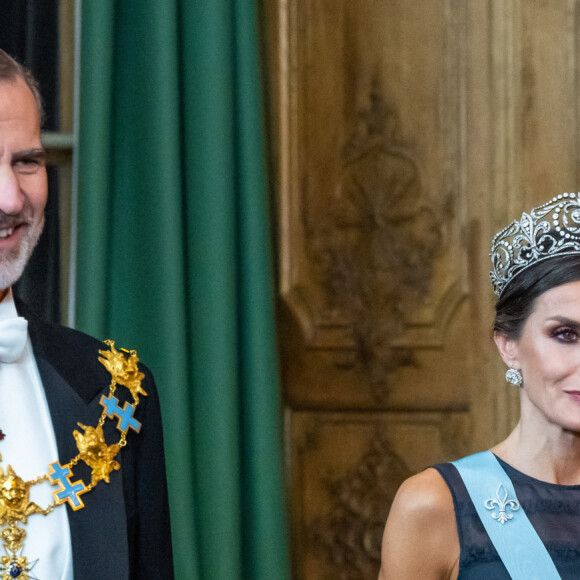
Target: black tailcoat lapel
column 73, row 381
column 123, row 532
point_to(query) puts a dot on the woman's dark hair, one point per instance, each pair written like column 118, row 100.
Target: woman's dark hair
column 518, row 298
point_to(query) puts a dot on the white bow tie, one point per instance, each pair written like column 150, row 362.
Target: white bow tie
column 13, row 335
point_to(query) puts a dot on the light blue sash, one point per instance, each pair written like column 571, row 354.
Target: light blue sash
column 517, row 543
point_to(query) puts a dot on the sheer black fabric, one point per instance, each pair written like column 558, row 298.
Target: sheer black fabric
column 553, row 510
column 29, row 33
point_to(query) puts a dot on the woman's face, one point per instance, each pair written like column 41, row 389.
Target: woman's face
column 548, row 356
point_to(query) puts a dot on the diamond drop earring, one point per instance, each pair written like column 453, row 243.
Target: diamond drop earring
column 514, row 377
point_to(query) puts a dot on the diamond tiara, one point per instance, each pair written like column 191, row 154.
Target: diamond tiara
column 548, row 231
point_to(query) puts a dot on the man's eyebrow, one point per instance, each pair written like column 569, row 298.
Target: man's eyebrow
column 38, row 153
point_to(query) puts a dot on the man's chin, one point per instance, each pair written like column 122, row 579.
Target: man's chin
column 12, row 264
column 11, row 272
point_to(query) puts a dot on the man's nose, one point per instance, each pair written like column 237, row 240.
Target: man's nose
column 11, row 198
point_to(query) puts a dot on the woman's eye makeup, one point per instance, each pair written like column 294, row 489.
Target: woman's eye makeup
column 565, row 334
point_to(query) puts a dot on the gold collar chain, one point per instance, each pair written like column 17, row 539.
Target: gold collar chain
column 15, row 504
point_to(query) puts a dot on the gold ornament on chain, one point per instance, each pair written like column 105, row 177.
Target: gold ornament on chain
column 15, row 504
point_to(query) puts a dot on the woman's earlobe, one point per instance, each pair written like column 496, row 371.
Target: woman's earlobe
column 508, row 349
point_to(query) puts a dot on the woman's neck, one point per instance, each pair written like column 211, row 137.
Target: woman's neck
column 551, row 455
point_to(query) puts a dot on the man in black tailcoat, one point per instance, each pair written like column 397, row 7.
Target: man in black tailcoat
column 83, row 491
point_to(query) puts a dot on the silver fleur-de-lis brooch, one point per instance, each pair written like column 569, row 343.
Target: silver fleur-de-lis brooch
column 502, row 502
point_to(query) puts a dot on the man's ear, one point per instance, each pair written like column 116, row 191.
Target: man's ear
column 508, row 350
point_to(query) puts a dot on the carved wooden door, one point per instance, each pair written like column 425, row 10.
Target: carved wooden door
column 404, row 135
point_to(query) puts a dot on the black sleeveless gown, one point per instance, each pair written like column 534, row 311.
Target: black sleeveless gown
column 553, row 510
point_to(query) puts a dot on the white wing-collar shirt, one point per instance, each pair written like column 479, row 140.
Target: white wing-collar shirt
column 29, row 446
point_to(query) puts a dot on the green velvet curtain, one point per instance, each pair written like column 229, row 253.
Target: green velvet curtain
column 174, row 260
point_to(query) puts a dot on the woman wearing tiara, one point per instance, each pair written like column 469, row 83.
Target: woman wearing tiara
column 513, row 511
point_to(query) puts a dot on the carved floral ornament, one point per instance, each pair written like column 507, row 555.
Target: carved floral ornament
column 375, row 245
column 351, row 532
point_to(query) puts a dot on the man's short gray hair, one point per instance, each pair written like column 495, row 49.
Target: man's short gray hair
column 11, row 69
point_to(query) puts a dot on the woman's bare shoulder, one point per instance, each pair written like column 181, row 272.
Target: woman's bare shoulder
column 420, row 538
column 425, row 494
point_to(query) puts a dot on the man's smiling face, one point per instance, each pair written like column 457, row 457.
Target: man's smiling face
column 23, row 184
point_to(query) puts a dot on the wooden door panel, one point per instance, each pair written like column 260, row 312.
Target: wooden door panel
column 373, row 271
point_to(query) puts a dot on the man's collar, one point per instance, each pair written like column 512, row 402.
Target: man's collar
column 72, row 354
